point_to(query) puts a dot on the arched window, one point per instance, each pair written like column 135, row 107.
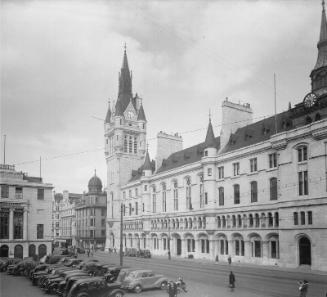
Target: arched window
column 190, row 223
column 250, row 220
column 218, row 222
column 188, row 194
column 239, row 221
column 257, row 220
column 185, row 223
column 276, row 219
column 270, row 220
column 175, row 195
column 233, row 221
column 221, row 196
column 273, row 188
column 224, row 222
column 236, row 194
column 302, row 153
column 164, row 198
column 254, row 191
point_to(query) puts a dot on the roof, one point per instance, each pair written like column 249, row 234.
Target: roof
column 95, row 184
column 141, row 114
column 108, row 116
column 186, row 156
column 262, row 130
column 210, row 137
column 137, row 174
column 147, row 163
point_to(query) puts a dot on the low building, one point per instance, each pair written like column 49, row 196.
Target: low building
column 25, row 214
column 91, row 212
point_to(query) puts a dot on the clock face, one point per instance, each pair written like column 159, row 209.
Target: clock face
column 310, row 100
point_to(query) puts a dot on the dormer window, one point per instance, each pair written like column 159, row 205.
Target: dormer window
column 302, row 153
column 205, row 153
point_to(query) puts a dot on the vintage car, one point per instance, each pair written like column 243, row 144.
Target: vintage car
column 139, row 280
column 23, row 267
column 95, row 287
column 131, row 252
column 65, row 285
column 144, row 254
column 51, row 285
column 5, row 262
column 52, row 273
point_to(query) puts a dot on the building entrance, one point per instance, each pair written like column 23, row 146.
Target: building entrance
column 305, row 251
column 4, row 251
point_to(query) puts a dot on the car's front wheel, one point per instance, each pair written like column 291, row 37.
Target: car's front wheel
column 82, row 294
column 137, row 289
column 163, row 285
column 116, row 293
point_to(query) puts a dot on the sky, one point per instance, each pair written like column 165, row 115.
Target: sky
column 60, row 62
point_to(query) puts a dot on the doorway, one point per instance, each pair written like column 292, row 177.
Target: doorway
column 18, row 251
column 304, row 251
column 4, row 251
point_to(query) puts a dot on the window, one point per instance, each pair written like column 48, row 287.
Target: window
column 201, row 192
column 205, row 246
column 142, row 207
column 253, row 165
column 175, row 196
column 190, row 245
column 125, row 144
column 209, row 171
column 221, row 196
column 130, row 144
column 40, row 194
column 130, row 193
column 273, row 188
column 236, row 168
column 135, row 145
column 239, row 247
column 39, row 231
column 188, row 194
column 4, row 223
column 18, row 224
column 273, row 249
column 302, row 217
column 103, row 212
column 145, row 187
column 236, row 194
column 254, row 191
column 256, row 248
column 205, row 198
column 221, row 174
column 136, row 208
column 302, row 153
column 103, row 222
column 310, row 217
column 4, row 191
column 154, row 201
column 273, row 160
column 19, row 193
column 303, row 183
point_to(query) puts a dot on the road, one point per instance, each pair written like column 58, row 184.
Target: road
column 203, row 279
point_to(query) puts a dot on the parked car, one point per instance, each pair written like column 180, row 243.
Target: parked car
column 24, row 267
column 95, row 287
column 64, row 286
column 5, row 262
column 144, row 254
column 139, row 280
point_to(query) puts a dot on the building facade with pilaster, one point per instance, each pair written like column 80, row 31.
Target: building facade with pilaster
column 257, row 193
column 25, row 214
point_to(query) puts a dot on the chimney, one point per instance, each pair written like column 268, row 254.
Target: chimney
column 167, row 144
column 234, row 116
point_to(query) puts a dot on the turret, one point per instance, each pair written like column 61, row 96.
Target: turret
column 147, row 168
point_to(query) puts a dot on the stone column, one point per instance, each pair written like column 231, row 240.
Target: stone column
column 11, row 223
column 25, row 225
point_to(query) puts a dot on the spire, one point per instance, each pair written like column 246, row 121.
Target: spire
column 125, row 79
column 210, row 138
column 108, row 116
column 141, row 114
column 318, row 78
column 147, row 162
column 322, row 43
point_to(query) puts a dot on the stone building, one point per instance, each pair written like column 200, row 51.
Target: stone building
column 256, row 193
column 56, row 218
column 25, row 214
column 67, row 220
column 91, row 211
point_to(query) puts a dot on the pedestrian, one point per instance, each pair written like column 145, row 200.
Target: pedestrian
column 229, row 260
column 303, row 288
column 232, row 281
column 172, row 289
column 88, row 253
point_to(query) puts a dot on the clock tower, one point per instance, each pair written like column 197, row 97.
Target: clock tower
column 319, row 73
column 125, row 147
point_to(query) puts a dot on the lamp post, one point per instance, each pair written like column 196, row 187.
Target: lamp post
column 121, row 236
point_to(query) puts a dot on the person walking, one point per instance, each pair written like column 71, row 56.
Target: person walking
column 88, row 253
column 303, row 288
column 232, row 281
column 229, row 260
